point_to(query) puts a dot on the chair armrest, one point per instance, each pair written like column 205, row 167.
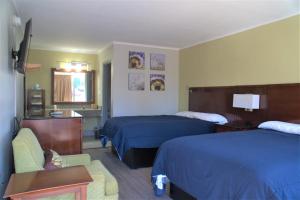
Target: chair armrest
column 96, row 189
column 79, row 159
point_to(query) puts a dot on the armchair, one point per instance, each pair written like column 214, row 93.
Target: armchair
column 29, row 156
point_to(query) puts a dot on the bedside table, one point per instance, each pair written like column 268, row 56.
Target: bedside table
column 38, row 184
column 234, row 127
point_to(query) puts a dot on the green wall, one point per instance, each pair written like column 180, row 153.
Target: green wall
column 263, row 55
column 48, row 60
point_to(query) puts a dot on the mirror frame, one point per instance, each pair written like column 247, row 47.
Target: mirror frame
column 53, row 70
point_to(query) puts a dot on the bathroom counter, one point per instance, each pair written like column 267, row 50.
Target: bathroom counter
column 46, row 115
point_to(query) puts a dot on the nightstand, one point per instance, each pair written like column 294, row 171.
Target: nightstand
column 234, row 126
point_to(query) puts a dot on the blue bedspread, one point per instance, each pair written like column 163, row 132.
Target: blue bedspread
column 250, row 165
column 151, row 131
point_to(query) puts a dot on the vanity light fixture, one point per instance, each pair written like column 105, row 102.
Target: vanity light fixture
column 73, row 66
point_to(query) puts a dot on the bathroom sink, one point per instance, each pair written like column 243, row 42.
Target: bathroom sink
column 89, row 112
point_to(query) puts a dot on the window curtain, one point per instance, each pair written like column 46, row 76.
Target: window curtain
column 63, row 88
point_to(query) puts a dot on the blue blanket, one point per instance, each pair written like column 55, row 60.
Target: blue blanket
column 258, row 164
column 151, row 131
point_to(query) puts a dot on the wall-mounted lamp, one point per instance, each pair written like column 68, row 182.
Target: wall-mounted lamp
column 246, row 101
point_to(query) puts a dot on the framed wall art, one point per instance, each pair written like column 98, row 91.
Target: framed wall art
column 157, row 82
column 136, row 81
column 136, row 60
column 157, row 61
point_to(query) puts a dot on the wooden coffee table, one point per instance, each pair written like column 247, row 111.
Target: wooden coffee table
column 38, row 184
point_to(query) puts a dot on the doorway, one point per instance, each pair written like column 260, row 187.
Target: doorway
column 92, row 142
column 106, row 93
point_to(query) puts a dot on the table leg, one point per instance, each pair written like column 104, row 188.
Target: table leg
column 83, row 192
column 78, row 195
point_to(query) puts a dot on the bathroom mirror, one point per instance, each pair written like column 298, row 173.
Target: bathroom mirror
column 72, row 87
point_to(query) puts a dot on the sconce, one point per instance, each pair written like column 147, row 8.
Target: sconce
column 247, row 101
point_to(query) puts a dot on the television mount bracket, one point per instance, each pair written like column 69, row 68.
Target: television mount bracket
column 14, row 54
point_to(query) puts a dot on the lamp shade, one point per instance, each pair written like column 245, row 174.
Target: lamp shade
column 247, row 101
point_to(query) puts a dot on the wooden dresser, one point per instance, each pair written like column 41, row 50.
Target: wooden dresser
column 63, row 133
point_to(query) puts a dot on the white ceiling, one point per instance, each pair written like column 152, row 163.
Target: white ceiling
column 90, row 25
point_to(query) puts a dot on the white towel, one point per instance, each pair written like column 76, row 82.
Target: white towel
column 160, row 180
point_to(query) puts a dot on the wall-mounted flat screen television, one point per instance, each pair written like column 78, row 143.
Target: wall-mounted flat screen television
column 22, row 53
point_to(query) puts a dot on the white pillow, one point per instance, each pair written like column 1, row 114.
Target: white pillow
column 188, row 114
column 211, row 117
column 281, row 126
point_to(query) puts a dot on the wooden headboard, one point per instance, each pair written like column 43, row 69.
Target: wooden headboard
column 277, row 102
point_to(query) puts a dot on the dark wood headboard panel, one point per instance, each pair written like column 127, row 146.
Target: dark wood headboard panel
column 284, row 102
column 277, row 102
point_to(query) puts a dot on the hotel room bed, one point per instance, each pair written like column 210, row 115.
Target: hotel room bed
column 149, row 132
column 256, row 164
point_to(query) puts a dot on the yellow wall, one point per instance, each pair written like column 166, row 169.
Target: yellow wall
column 48, row 60
column 263, row 55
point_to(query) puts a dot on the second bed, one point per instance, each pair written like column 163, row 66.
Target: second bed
column 135, row 139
